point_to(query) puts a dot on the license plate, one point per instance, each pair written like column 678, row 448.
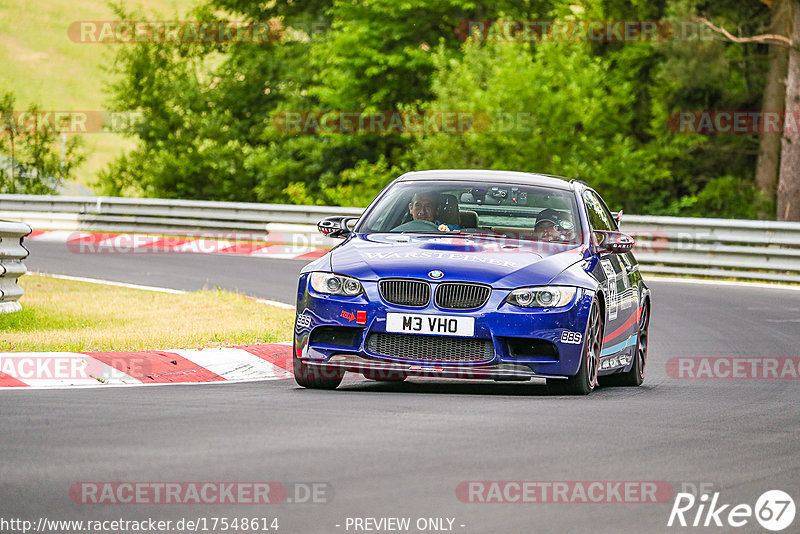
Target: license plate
column 442, row 325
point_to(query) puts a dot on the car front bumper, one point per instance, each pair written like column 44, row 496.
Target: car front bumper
column 518, row 336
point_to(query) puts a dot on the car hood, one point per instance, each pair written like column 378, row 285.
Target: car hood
column 502, row 263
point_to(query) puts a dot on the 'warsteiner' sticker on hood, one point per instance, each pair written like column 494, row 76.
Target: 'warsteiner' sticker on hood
column 371, row 257
column 438, row 255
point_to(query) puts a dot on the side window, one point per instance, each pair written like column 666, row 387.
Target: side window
column 599, row 216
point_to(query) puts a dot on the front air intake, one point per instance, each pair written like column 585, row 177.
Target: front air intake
column 430, row 348
column 461, row 295
column 405, row 292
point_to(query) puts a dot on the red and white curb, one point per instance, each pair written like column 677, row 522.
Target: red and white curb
column 24, row 370
column 80, row 242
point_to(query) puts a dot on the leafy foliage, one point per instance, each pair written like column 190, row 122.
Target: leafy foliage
column 554, row 110
column 34, row 164
column 596, row 111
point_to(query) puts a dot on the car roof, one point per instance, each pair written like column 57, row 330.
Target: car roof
column 478, row 175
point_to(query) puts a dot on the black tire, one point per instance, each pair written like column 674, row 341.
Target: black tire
column 586, row 380
column 315, row 377
column 635, row 376
column 384, row 376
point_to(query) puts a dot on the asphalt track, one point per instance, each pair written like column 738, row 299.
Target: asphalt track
column 401, row 451
column 274, row 279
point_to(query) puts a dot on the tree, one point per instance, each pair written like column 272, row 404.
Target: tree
column 36, row 164
column 596, row 110
column 789, row 182
column 788, row 190
column 557, row 110
column 769, row 152
column 209, row 110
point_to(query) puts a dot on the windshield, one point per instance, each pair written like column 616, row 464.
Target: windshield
column 468, row 208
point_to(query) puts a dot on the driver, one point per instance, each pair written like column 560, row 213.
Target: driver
column 424, row 207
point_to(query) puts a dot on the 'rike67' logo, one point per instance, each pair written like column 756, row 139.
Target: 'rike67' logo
column 774, row 510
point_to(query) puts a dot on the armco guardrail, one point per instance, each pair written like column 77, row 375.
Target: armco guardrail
column 155, row 214
column 290, row 224
column 11, row 267
column 758, row 250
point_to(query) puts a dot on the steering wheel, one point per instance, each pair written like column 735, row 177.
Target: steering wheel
column 417, row 226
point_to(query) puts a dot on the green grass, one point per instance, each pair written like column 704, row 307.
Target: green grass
column 41, row 65
column 35, row 319
column 67, row 315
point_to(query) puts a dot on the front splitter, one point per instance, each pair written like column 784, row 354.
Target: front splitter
column 356, row 364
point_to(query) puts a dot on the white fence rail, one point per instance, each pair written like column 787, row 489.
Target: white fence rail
column 758, row 250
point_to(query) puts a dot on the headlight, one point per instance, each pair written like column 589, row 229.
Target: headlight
column 335, row 284
column 542, row 297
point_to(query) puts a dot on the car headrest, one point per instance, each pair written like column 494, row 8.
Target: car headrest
column 448, row 209
column 469, row 218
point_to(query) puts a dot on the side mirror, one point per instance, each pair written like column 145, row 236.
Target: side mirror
column 607, row 242
column 336, row 226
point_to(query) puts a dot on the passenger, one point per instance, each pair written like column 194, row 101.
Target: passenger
column 548, row 226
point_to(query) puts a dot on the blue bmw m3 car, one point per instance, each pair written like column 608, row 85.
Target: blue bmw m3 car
column 473, row 274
